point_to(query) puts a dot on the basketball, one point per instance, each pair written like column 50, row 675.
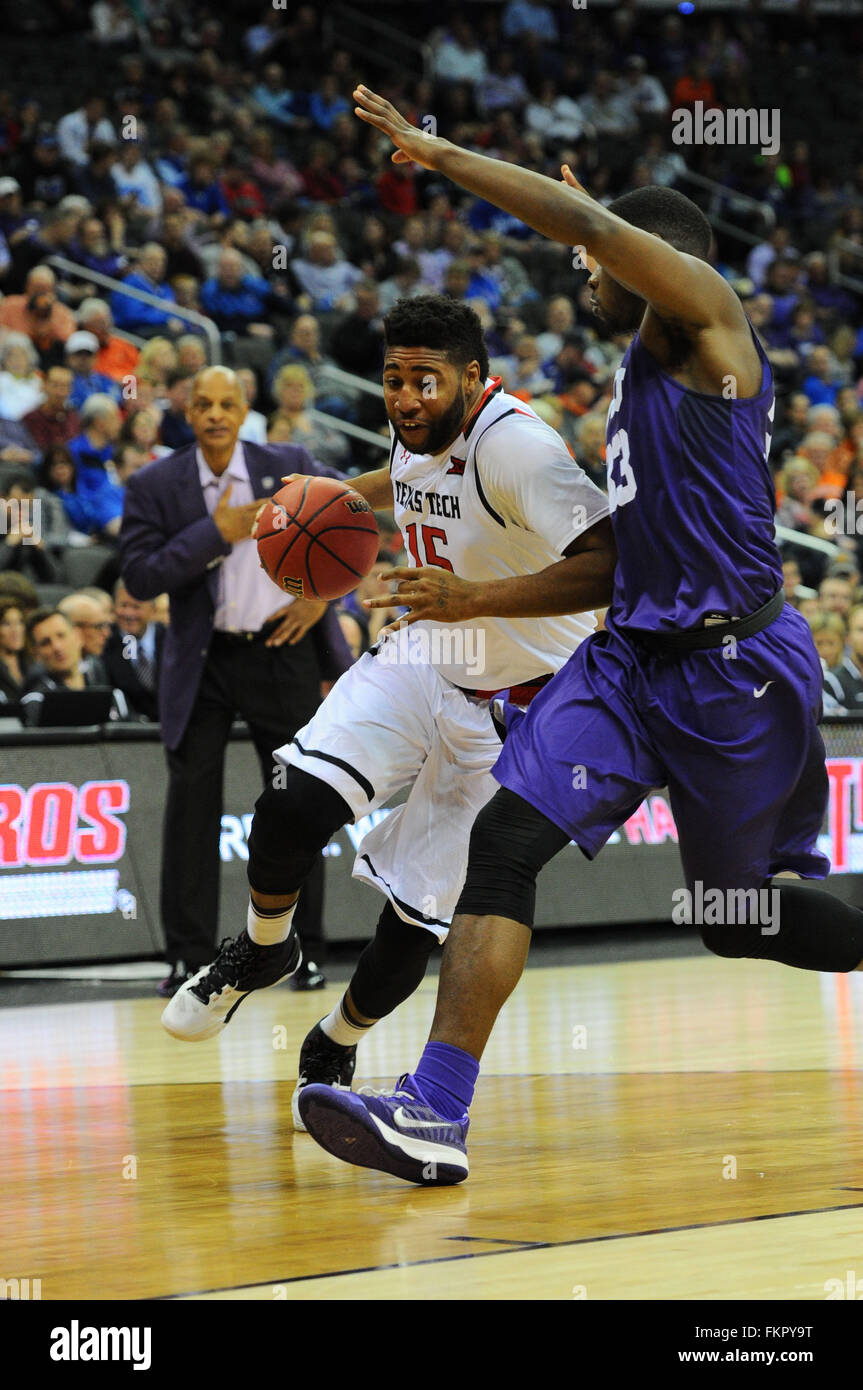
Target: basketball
column 317, row 538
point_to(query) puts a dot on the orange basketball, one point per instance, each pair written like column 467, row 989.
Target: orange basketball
column 317, row 538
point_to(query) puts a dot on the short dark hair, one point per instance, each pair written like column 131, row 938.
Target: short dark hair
column 20, row 588
column 53, row 454
column 10, row 601
column 41, row 615
column 22, row 479
column 669, row 214
column 440, row 322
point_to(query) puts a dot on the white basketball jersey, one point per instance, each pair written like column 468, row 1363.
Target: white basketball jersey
column 506, row 498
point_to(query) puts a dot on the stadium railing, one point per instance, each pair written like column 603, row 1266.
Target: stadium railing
column 351, row 430
column 356, row 383
column 344, row 26
column 721, row 198
column 843, row 247
column 176, row 311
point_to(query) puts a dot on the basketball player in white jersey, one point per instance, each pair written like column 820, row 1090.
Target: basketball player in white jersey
column 511, row 550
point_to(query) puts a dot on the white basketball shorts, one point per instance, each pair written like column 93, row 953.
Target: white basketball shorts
column 388, row 724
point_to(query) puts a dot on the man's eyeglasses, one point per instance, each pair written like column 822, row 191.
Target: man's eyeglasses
column 103, row 627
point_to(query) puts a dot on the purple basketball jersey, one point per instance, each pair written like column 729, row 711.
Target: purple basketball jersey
column 692, row 498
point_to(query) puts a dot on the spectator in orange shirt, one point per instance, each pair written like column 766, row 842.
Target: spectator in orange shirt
column 694, row 86
column 38, row 313
column 116, row 358
column 819, row 447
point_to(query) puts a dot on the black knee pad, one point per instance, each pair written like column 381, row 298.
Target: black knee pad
column 509, row 843
column 291, row 825
column 391, row 966
column 806, row 928
column 741, row 936
column 734, row 942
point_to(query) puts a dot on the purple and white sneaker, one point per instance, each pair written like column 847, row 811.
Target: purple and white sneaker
column 391, row 1130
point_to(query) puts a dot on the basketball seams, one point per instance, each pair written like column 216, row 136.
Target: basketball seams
column 302, row 527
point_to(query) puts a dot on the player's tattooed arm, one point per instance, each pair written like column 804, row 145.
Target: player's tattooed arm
column 679, row 287
column 580, row 582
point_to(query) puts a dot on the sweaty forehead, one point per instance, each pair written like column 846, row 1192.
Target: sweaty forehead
column 413, row 359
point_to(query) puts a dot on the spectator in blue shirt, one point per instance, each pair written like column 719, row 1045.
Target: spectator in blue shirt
column 57, row 475
column 236, row 301
column 529, row 17
column 99, row 498
column 175, row 432
column 274, row 99
column 81, row 349
column 133, row 314
column 482, row 284
column 485, row 217
column 819, row 384
column 203, row 192
column 327, row 103
column 92, row 249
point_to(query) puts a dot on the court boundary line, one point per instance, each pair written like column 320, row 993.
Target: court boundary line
column 503, row 1075
column 517, row 1248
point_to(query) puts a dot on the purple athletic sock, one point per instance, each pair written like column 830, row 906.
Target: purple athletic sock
column 445, row 1079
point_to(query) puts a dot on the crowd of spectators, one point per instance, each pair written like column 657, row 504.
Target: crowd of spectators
column 88, row 638
column 214, row 164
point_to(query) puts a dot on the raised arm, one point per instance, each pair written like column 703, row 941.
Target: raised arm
column 677, row 286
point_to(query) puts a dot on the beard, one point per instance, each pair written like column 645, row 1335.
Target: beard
column 441, row 431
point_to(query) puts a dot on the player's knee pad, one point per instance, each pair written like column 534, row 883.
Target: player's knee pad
column 392, row 965
column 797, row 926
column 509, row 843
column 749, row 922
column 291, row 825
column 731, row 941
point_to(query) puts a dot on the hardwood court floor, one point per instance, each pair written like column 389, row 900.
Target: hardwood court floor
column 666, row 1129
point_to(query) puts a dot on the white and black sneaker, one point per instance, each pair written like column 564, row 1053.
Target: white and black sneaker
column 206, row 1002
column 325, row 1063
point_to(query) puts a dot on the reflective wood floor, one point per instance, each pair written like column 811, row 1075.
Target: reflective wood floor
column 648, row 1130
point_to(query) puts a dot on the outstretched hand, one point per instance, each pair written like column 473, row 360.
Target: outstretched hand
column 411, row 144
column 569, row 178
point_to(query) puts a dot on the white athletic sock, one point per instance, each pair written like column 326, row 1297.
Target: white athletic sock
column 269, row 928
column 339, row 1028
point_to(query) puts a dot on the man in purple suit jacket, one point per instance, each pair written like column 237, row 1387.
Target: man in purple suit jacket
column 235, row 646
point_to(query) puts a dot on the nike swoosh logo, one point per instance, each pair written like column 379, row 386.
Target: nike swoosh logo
column 759, row 693
column 407, row 1122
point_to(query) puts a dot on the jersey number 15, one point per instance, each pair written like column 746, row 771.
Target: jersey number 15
column 430, row 534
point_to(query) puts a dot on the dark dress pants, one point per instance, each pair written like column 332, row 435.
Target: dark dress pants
column 276, row 690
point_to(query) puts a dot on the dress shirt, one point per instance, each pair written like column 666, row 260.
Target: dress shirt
column 247, row 596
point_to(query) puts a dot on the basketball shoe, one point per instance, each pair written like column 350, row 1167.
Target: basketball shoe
column 391, row 1130
column 322, row 1063
column 206, row 1002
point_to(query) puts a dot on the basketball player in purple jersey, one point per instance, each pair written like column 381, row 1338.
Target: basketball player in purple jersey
column 704, row 680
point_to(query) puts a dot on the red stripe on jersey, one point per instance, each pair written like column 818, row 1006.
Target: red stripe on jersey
column 490, row 390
